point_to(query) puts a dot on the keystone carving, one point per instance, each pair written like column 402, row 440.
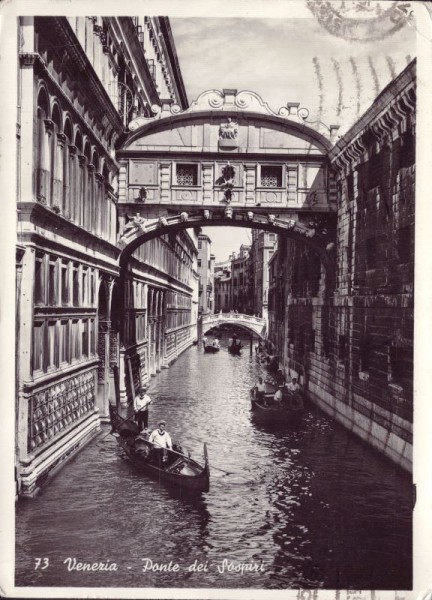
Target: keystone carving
column 184, row 217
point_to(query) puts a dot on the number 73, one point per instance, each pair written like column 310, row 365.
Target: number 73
column 41, row 563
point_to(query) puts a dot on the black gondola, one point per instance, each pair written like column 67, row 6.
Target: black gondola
column 287, row 412
column 179, row 470
column 235, row 347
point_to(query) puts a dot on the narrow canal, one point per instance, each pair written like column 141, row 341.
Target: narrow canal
column 308, row 508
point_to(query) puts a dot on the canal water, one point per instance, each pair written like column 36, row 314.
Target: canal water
column 311, row 507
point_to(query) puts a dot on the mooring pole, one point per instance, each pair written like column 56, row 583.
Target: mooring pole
column 251, row 344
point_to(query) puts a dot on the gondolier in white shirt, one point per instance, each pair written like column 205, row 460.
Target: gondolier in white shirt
column 161, row 440
column 141, row 404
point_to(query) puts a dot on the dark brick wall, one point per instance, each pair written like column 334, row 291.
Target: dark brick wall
column 355, row 343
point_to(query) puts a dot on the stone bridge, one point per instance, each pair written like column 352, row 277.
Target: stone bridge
column 251, row 324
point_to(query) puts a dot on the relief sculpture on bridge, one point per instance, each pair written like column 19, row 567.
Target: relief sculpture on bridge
column 228, row 134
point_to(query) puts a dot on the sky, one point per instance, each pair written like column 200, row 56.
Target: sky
column 287, row 60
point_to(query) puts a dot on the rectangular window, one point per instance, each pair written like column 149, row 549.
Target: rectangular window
column 187, row 175
column 75, row 340
column 92, row 336
column 271, row 176
column 53, row 349
column 85, row 285
column 85, row 337
column 39, row 296
column 52, row 292
column 38, row 330
column 199, row 262
column 65, row 283
column 64, row 342
column 75, row 285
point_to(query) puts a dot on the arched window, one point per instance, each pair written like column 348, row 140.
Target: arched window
column 57, row 160
column 43, row 155
column 100, row 213
column 67, row 169
column 78, row 199
column 88, row 192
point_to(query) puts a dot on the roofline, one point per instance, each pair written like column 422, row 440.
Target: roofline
column 166, row 31
column 379, row 105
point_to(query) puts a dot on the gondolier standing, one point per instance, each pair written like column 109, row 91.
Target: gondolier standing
column 141, row 404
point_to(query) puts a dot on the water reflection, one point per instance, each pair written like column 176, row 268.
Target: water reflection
column 314, row 506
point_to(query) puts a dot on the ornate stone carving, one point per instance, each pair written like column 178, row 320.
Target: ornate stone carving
column 271, row 218
column 228, row 212
column 250, row 215
column 229, row 130
column 142, row 195
column 163, row 222
column 227, row 101
column 207, row 214
column 227, row 182
column 54, row 408
column 184, row 217
column 136, row 222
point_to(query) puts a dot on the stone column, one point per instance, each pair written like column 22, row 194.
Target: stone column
column 25, row 347
column 165, row 181
column 27, row 103
column 250, row 184
column 207, row 182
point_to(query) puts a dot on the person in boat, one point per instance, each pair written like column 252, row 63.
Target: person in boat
column 141, row 405
column 278, row 395
column 293, row 386
column 161, row 440
column 294, row 394
column 260, row 388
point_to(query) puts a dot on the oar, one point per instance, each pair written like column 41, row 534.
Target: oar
column 218, row 468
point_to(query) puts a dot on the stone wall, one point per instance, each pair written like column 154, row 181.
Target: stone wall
column 353, row 346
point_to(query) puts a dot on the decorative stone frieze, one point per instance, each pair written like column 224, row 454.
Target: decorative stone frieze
column 56, row 407
column 227, row 100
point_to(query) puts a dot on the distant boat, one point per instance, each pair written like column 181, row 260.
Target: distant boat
column 179, row 470
column 235, row 347
column 210, row 348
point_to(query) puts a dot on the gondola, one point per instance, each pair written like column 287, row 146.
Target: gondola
column 178, row 470
column 285, row 412
column 235, row 347
column 211, row 349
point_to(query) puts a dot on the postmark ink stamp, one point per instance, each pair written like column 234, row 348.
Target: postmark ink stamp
column 361, row 20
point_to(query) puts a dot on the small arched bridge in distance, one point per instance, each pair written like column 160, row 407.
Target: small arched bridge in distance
column 252, row 324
